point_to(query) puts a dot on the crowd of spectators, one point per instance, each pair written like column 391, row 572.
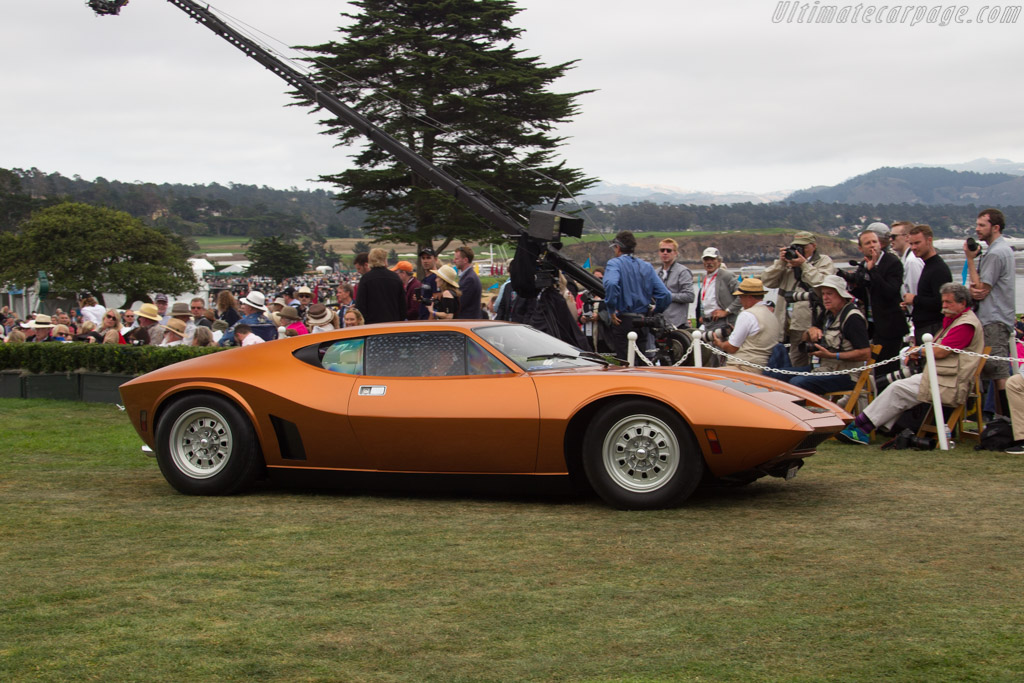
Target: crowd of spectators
column 306, row 304
column 821, row 325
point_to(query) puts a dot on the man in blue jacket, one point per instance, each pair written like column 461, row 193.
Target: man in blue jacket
column 630, row 288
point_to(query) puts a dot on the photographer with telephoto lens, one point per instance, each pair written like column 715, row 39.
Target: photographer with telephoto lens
column 839, row 339
column 797, row 271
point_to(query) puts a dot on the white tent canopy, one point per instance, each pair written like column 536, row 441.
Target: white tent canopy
column 238, row 267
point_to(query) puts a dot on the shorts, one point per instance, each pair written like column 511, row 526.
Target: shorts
column 997, row 335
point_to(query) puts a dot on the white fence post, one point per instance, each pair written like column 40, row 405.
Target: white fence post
column 698, row 352
column 631, row 349
column 933, row 379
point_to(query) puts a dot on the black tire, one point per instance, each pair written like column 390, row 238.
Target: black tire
column 206, row 446
column 677, row 343
column 639, row 455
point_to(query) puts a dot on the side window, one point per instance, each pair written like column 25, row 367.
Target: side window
column 416, row 354
column 345, row 356
column 482, row 362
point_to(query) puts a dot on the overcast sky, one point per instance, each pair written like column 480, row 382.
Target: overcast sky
column 712, row 96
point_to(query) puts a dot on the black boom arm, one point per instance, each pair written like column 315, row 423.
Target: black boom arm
column 541, row 222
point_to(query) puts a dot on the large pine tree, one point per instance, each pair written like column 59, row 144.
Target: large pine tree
column 444, row 78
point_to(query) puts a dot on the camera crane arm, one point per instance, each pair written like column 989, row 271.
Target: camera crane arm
column 544, row 225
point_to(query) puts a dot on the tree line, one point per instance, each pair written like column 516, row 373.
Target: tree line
column 841, row 220
column 191, row 210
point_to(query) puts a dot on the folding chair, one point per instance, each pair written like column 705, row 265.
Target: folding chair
column 865, row 385
column 955, row 414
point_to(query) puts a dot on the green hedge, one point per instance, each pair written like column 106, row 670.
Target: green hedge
column 115, row 358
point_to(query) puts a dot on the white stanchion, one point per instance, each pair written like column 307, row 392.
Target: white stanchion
column 933, row 379
column 698, row 354
column 631, row 349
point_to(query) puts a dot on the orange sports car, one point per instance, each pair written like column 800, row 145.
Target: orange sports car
column 361, row 399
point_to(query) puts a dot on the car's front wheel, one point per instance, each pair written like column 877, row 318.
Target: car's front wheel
column 206, row 446
column 639, row 455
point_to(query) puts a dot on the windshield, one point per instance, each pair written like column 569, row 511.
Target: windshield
column 531, row 349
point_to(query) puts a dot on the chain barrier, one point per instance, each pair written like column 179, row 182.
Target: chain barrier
column 822, row 373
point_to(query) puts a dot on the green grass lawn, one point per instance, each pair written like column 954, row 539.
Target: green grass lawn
column 903, row 566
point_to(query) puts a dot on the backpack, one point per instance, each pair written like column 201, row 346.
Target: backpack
column 996, row 435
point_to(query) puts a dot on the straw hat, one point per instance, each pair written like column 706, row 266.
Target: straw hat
column 176, row 326
column 448, row 274
column 751, row 286
column 41, row 321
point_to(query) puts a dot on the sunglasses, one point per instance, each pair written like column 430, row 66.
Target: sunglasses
column 667, row 251
column 305, row 296
column 110, row 317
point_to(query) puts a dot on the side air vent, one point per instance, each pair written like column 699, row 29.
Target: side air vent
column 288, row 438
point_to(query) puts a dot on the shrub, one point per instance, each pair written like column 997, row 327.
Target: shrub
column 114, row 358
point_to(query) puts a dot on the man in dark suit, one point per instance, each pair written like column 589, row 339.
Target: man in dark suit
column 876, row 283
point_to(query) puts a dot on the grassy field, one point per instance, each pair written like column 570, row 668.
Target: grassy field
column 903, row 566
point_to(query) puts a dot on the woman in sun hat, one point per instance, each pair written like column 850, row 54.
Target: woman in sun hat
column 445, row 305
column 319, row 318
column 290, row 320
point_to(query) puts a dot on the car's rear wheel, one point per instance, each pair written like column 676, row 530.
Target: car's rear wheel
column 639, row 455
column 206, row 446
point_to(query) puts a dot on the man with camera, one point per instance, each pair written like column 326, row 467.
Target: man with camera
column 961, row 329
column 756, row 332
column 630, row 285
column 838, row 339
column 876, row 282
column 993, row 283
column 798, row 270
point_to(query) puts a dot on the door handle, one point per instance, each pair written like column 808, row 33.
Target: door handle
column 372, row 390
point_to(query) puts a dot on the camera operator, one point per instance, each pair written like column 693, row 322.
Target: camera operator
column 757, row 330
column 961, row 329
column 876, row 282
column 839, row 339
column 630, row 285
column 798, row 270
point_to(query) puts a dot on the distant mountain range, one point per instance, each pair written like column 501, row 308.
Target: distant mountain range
column 608, row 193
column 920, row 186
column 981, row 181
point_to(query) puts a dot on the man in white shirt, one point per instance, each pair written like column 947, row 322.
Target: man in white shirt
column 245, row 337
column 912, row 265
column 757, row 330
